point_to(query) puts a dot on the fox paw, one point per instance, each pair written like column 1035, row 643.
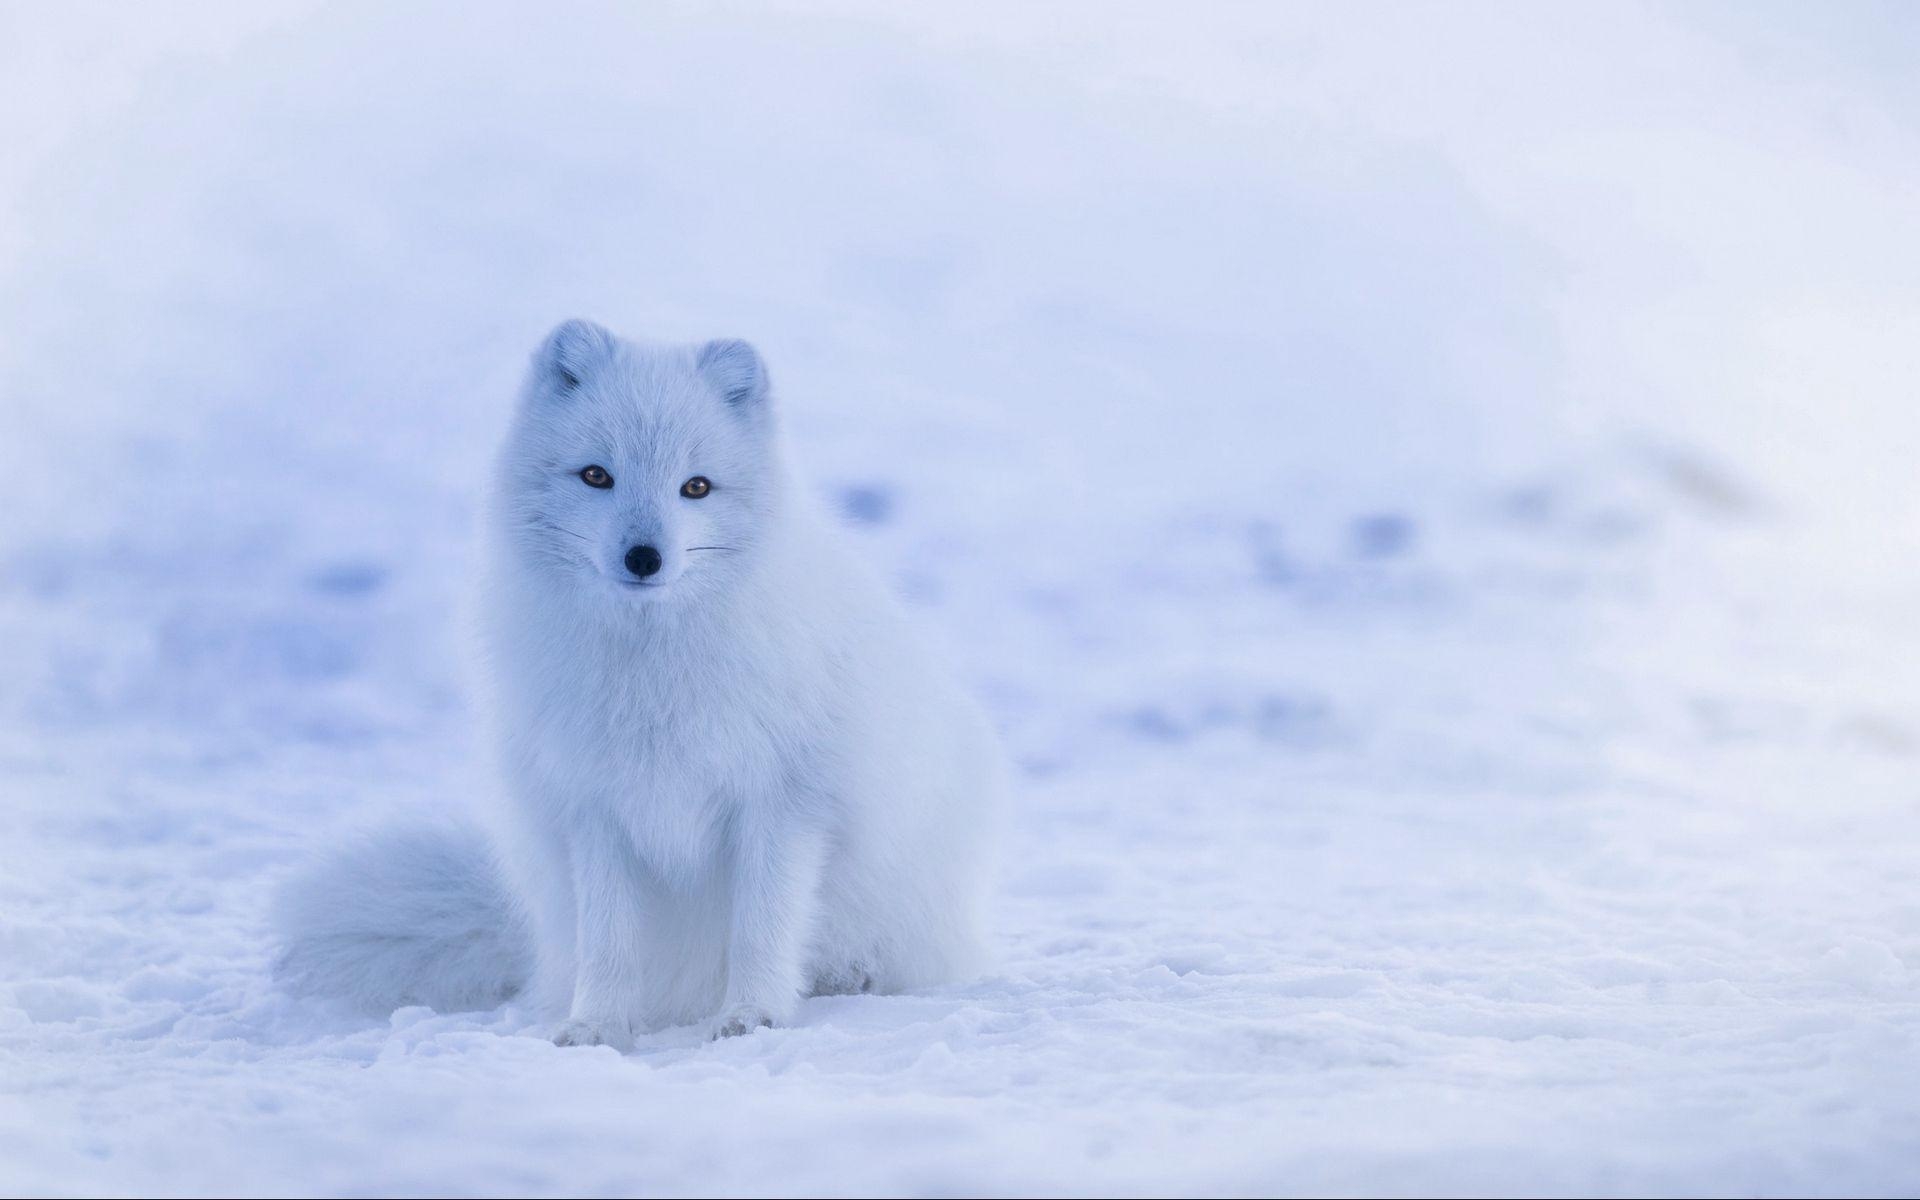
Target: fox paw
column 578, row 1032
column 841, row 981
column 741, row 1019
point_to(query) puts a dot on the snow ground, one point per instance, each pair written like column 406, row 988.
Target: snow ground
column 1427, row 494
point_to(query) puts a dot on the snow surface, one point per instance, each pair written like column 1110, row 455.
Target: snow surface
column 1427, row 493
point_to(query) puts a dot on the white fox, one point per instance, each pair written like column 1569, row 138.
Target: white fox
column 733, row 776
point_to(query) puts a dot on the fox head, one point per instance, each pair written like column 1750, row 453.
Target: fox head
column 645, row 474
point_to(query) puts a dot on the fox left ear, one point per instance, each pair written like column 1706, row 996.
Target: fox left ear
column 572, row 352
column 735, row 370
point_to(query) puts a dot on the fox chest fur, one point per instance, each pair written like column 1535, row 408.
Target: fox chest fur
column 669, row 731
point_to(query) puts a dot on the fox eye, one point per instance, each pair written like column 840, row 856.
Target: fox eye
column 596, row 477
column 696, row 487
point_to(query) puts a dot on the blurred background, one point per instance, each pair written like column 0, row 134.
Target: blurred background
column 1427, row 493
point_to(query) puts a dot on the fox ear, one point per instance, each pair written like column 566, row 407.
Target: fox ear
column 570, row 354
column 735, row 370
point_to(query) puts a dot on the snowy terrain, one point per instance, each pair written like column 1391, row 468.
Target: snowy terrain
column 1427, row 494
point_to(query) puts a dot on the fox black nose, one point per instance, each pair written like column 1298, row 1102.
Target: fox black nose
column 643, row 561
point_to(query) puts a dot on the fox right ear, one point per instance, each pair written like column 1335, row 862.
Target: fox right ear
column 734, row 369
column 570, row 354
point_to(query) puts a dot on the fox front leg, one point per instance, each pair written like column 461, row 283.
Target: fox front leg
column 776, row 891
column 609, row 905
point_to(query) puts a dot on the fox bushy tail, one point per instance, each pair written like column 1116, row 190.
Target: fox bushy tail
column 417, row 914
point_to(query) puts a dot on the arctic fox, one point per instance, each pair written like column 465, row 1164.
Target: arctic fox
column 733, row 777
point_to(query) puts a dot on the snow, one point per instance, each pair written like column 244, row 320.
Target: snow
column 1427, row 495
